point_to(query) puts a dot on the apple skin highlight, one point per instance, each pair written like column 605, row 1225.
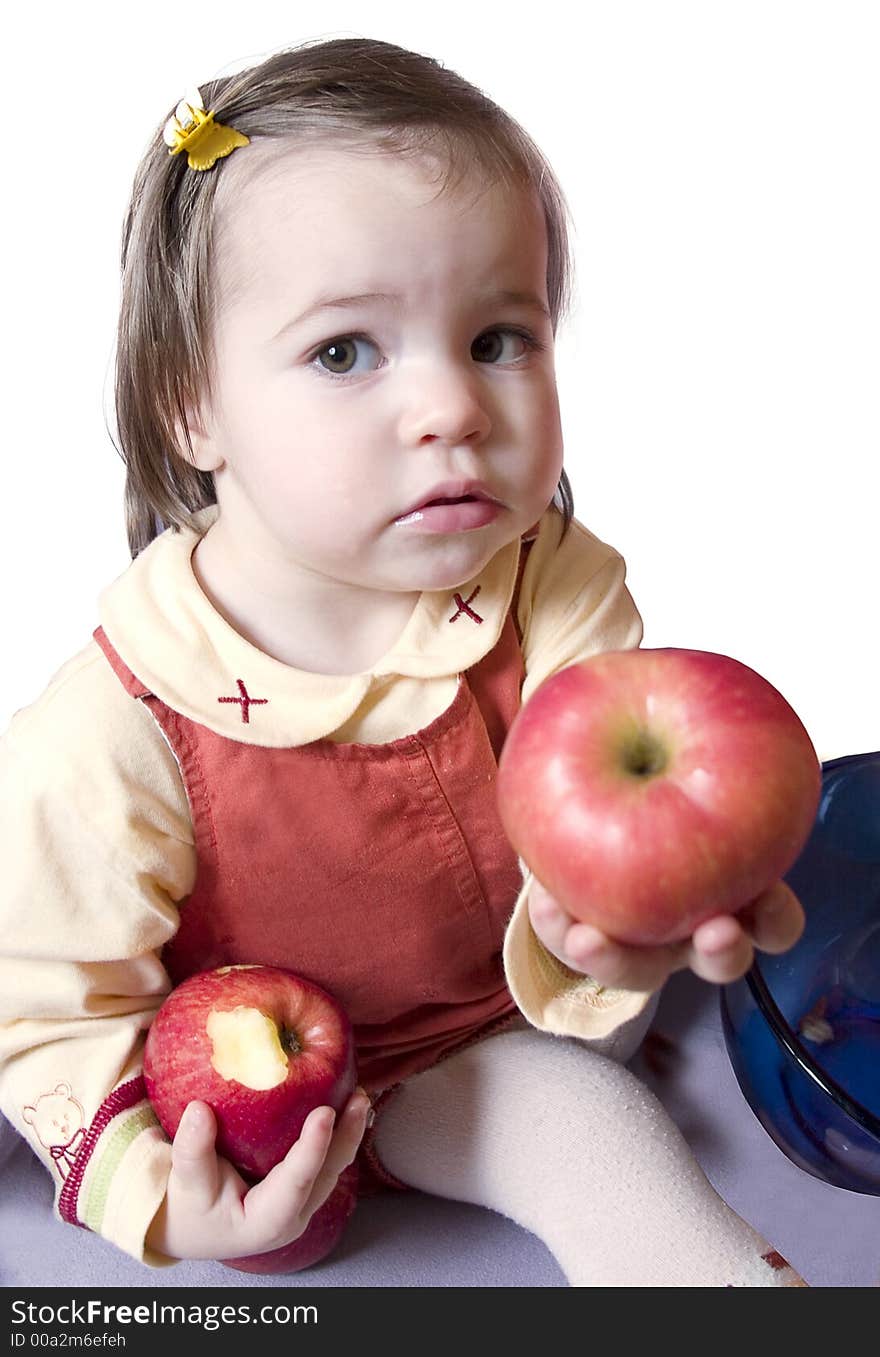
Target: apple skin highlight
column 650, row 790
column 255, row 1126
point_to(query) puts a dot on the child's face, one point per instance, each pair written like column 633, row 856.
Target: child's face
column 327, row 429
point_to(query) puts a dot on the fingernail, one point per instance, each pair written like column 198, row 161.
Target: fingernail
column 586, row 944
column 715, row 938
column 188, row 1126
column 363, row 1104
column 544, row 906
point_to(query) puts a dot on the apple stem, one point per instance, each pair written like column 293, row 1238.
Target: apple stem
column 646, row 755
column 290, row 1042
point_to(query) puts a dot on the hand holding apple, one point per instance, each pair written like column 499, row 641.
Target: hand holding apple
column 651, row 791
column 258, row 1058
column 287, row 1221
column 720, row 950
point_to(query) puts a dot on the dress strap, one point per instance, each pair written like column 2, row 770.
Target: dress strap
column 525, row 547
column 129, row 681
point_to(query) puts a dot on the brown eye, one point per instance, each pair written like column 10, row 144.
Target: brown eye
column 340, row 355
column 489, row 346
column 347, row 356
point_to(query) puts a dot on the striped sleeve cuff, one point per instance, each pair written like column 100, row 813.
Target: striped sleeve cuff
column 118, row 1178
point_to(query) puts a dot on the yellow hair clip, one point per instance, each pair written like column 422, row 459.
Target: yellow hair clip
column 193, row 130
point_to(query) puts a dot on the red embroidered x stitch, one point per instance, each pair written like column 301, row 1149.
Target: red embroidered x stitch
column 464, row 608
column 246, row 701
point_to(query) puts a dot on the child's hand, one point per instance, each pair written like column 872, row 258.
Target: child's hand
column 209, row 1211
column 720, row 950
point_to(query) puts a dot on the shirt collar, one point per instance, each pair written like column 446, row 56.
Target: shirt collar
column 171, row 637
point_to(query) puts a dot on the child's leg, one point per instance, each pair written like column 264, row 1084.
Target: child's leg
column 573, row 1147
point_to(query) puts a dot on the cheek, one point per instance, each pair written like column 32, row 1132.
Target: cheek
column 541, row 415
column 552, row 436
column 550, row 414
column 320, row 500
column 547, row 434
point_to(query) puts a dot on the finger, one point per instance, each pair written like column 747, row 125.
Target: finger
column 280, row 1198
column 775, row 920
column 549, row 920
column 720, row 950
column 279, row 1208
column 621, row 965
column 343, row 1148
column 349, row 1132
column 194, row 1164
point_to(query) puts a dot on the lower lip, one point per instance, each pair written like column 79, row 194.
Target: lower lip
column 475, row 513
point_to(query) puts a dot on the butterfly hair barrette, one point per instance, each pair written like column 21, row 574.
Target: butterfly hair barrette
column 193, row 129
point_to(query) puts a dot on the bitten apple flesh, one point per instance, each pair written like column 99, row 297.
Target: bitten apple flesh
column 262, row 1046
column 649, row 790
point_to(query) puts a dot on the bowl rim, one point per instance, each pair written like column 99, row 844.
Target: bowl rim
column 784, row 1035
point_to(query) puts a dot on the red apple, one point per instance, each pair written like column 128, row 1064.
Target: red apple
column 320, row 1237
column 649, row 790
column 262, row 1046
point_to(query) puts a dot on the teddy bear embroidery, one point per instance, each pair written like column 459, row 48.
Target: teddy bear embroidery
column 59, row 1121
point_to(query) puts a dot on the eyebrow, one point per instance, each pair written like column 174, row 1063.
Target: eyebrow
column 503, row 296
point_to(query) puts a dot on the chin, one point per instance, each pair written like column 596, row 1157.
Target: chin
column 458, row 559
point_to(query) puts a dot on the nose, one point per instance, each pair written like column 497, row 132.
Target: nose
column 446, row 404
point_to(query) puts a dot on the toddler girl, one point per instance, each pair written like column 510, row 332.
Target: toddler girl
column 354, row 556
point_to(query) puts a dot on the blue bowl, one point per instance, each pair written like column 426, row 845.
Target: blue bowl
column 803, row 1029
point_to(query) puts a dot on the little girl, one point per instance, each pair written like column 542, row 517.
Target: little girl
column 354, row 556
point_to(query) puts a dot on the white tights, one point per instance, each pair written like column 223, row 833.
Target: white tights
column 572, row 1146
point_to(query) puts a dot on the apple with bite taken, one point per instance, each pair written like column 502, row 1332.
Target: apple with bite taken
column 263, row 1047
column 649, row 790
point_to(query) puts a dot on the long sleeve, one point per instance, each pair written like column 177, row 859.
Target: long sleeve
column 97, row 852
column 574, row 603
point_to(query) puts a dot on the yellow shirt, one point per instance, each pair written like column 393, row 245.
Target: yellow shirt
column 98, row 846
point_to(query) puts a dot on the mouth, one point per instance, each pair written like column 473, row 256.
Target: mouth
column 459, row 493
column 458, row 508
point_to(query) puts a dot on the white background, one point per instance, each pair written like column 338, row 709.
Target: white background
column 719, row 376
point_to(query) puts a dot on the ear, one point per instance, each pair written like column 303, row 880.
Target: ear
column 205, row 455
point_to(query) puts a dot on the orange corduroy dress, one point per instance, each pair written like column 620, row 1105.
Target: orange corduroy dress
column 379, row 871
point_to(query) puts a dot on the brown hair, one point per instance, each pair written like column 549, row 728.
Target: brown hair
column 359, row 89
